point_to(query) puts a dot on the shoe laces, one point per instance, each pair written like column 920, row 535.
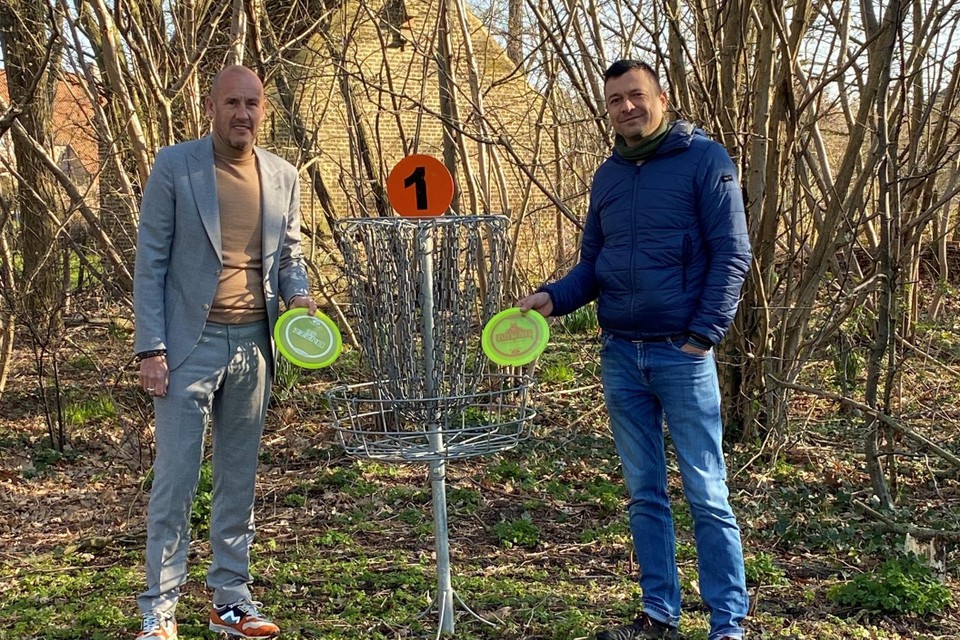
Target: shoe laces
column 645, row 623
column 249, row 607
column 153, row 621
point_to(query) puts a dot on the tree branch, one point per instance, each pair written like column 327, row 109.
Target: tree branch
column 920, row 533
column 879, row 415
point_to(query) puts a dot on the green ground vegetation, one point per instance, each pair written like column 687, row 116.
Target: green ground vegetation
column 539, row 540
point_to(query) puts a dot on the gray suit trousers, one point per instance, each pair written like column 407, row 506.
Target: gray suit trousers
column 224, row 381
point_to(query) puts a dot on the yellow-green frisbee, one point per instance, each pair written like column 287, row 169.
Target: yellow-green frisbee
column 513, row 338
column 308, row 341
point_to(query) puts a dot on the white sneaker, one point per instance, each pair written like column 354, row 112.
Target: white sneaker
column 157, row 625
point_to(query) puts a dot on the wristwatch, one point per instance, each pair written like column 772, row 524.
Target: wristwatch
column 143, row 355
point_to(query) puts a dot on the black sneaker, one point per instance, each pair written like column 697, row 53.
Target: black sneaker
column 643, row 627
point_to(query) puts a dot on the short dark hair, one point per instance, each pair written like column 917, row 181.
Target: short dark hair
column 620, row 67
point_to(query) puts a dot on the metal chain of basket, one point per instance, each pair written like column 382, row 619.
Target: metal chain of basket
column 422, row 290
column 387, row 256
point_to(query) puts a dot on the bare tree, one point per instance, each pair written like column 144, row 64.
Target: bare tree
column 843, row 124
column 29, row 47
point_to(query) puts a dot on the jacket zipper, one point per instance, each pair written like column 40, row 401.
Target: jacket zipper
column 633, row 232
column 687, row 250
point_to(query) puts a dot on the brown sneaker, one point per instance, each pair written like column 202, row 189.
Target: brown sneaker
column 242, row 620
column 644, row 627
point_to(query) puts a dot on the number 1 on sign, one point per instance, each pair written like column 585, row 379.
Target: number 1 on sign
column 419, row 179
column 420, row 186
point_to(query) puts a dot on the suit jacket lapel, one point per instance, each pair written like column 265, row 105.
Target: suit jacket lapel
column 274, row 208
column 203, row 181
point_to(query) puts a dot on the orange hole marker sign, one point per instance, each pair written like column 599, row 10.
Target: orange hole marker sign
column 420, row 186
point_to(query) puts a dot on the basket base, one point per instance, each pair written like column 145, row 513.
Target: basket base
column 371, row 424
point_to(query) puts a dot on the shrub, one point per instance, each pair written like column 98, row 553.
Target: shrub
column 82, row 411
column 761, row 569
column 583, row 320
column 295, row 500
column 520, row 532
column 202, row 503
column 285, row 380
column 900, row 585
column 557, row 374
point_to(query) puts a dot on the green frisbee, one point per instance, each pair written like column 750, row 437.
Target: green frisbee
column 308, row 341
column 513, row 338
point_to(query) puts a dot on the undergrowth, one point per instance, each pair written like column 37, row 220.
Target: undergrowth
column 539, row 541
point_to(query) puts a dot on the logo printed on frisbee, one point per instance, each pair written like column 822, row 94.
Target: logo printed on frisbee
column 513, row 338
column 308, row 341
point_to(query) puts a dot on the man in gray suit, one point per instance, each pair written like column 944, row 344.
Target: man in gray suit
column 218, row 248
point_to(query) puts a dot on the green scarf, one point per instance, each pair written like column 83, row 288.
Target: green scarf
column 647, row 146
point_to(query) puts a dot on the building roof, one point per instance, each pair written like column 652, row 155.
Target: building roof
column 74, row 137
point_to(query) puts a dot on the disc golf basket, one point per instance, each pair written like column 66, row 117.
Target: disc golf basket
column 422, row 289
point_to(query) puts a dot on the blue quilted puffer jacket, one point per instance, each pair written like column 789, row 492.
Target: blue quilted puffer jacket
column 665, row 245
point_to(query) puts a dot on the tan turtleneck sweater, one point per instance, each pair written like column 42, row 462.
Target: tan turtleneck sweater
column 239, row 298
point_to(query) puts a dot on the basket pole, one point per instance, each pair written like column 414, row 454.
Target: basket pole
column 379, row 277
column 438, row 468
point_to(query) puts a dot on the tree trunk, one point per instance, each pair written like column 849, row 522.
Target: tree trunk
column 448, row 108
column 8, row 289
column 515, row 31
column 23, row 29
column 238, row 33
column 885, row 332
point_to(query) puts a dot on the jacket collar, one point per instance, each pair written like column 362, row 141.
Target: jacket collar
column 679, row 137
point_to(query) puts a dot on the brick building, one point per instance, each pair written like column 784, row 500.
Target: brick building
column 367, row 89
column 74, row 141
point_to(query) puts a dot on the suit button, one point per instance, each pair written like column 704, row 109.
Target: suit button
column 206, row 307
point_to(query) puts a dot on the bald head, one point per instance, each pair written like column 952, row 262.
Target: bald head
column 236, row 106
column 237, row 70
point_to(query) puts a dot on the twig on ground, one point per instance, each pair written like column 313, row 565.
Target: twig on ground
column 944, row 366
column 879, row 415
column 564, row 392
column 920, row 533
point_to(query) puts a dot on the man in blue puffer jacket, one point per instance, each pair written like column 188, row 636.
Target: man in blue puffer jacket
column 665, row 251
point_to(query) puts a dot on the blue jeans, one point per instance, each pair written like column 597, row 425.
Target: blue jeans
column 642, row 382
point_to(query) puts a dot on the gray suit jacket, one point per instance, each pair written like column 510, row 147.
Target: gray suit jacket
column 179, row 256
